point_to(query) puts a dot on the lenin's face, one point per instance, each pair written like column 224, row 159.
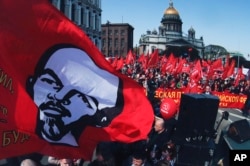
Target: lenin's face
column 61, row 106
column 69, row 87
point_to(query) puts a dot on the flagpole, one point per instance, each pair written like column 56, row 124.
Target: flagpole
column 238, row 63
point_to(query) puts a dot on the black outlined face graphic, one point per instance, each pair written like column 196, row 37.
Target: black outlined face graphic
column 68, row 87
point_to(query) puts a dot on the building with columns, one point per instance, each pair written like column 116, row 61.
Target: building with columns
column 170, row 35
column 84, row 13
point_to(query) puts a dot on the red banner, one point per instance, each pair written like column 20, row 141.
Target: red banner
column 227, row 100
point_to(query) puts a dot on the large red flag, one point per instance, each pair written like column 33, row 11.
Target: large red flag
column 58, row 94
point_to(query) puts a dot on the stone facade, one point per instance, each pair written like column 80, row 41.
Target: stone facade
column 117, row 39
column 84, row 13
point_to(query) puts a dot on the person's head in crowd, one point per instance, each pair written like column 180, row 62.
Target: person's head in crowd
column 203, row 81
column 138, row 158
column 226, row 81
column 223, row 162
column 207, row 90
column 163, row 163
column 28, row 162
column 104, row 155
column 103, row 151
column 159, row 124
column 216, row 81
column 164, row 82
column 225, row 115
column 247, row 83
column 242, row 82
column 169, row 151
column 66, row 162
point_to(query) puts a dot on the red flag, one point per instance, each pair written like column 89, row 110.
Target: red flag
column 130, row 57
column 239, row 76
column 196, row 72
column 186, row 68
column 179, row 65
column 170, row 65
column 59, row 96
column 120, row 63
column 215, row 66
column 114, row 62
column 163, row 60
column 228, row 69
column 192, row 87
column 141, row 58
column 154, row 59
column 144, row 61
column 205, row 67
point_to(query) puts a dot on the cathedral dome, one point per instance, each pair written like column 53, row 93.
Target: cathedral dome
column 171, row 10
column 171, row 21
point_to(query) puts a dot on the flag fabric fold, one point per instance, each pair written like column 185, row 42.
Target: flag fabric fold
column 113, row 109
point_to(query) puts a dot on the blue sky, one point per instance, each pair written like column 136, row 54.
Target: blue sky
column 219, row 22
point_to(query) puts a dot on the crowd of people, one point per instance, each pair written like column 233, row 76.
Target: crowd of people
column 153, row 78
column 159, row 149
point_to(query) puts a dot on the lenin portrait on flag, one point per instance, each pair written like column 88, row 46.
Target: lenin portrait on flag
column 72, row 92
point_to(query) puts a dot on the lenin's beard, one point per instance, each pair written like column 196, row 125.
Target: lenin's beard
column 51, row 124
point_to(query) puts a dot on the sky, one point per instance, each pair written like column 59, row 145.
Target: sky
column 219, row 22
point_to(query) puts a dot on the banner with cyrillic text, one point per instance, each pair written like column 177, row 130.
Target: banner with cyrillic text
column 227, row 100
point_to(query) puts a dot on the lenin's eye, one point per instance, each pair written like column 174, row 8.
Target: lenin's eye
column 51, row 79
column 66, row 102
column 51, row 82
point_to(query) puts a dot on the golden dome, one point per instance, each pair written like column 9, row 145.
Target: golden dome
column 171, row 9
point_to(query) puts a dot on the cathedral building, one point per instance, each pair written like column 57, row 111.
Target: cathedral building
column 170, row 36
